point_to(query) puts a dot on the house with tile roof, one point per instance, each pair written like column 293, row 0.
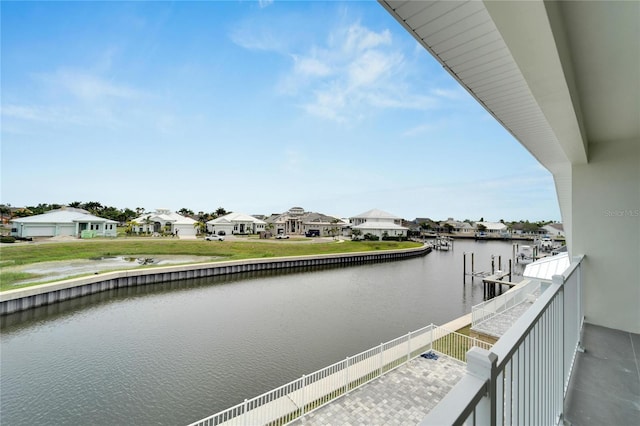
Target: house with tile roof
column 297, row 221
column 66, row 221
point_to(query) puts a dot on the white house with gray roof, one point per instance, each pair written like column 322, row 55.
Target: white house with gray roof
column 554, row 230
column 493, row 227
column 164, row 220
column 375, row 215
column 66, row 221
column 378, row 223
column 235, row 223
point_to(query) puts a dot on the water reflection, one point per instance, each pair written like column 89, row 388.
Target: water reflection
column 175, row 352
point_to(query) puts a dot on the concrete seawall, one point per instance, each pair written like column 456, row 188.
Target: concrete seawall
column 30, row 297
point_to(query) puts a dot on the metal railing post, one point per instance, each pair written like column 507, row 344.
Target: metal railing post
column 381, row 358
column 431, row 337
column 346, row 376
column 482, row 364
column 304, row 402
column 408, row 346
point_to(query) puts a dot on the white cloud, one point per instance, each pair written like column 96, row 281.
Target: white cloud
column 265, row 3
column 311, row 67
column 252, row 35
column 419, row 130
column 355, row 72
column 356, row 38
column 370, row 67
column 455, row 93
column 41, row 114
column 86, row 86
column 22, row 112
column 327, row 104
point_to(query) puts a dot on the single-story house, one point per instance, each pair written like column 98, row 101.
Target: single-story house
column 66, row 221
column 457, row 226
column 379, row 223
column 554, row 230
column 492, row 227
column 164, row 220
column 235, row 223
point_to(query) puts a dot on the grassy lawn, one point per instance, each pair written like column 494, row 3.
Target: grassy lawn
column 23, row 254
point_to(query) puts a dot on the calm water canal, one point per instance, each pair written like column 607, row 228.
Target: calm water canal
column 174, row 353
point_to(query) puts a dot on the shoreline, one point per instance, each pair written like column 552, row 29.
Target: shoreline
column 45, row 294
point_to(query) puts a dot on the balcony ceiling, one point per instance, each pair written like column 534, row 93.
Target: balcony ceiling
column 558, row 75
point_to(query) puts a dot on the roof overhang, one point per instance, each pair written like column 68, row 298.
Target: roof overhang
column 559, row 76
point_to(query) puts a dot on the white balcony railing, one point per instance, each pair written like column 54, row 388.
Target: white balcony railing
column 523, row 379
column 310, row 392
column 486, row 310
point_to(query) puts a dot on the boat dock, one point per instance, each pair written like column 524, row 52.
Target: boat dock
column 492, row 282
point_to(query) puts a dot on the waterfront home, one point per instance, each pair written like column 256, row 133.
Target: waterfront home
column 167, row 222
column 463, row 228
column 235, row 223
column 554, row 230
column 378, row 223
column 571, row 96
column 66, row 221
column 374, row 215
column 297, row 221
column 491, row 228
column 425, row 226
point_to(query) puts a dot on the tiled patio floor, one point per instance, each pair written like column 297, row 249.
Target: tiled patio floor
column 401, row 397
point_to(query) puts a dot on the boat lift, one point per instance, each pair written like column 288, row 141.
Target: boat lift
column 493, row 281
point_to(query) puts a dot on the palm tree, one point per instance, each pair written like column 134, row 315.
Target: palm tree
column 334, row 229
column 129, row 229
column 269, row 227
column 200, row 227
column 203, row 217
column 220, row 212
column 93, row 206
column 147, row 222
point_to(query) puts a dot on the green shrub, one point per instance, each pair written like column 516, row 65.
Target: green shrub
column 5, row 239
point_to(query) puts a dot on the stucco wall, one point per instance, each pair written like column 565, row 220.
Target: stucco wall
column 606, row 228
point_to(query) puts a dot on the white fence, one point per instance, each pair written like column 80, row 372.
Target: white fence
column 310, row 392
column 524, row 378
column 490, row 308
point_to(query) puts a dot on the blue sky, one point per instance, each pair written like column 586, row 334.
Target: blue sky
column 251, row 106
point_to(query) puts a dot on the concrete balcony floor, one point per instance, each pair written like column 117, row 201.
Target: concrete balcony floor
column 605, row 384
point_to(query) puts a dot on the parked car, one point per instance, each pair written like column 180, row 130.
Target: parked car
column 282, row 237
column 214, row 237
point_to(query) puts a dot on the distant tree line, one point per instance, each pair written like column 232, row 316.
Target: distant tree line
column 521, row 225
column 98, row 209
